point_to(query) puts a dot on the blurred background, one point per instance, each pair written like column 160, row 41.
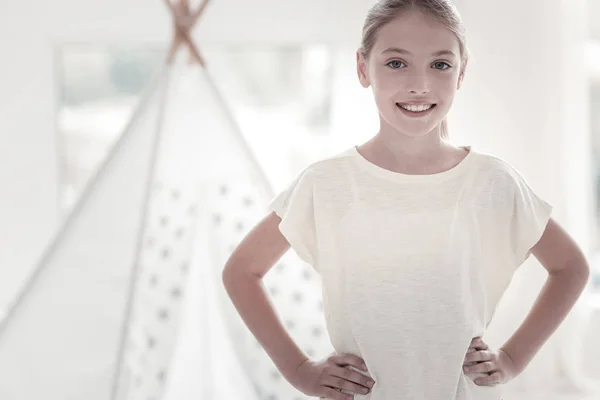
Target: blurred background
column 76, row 76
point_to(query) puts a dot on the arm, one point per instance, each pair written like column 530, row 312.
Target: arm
column 568, row 273
column 242, row 277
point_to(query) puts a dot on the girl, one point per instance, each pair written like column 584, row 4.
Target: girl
column 415, row 239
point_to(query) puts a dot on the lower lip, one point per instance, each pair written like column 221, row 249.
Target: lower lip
column 416, row 114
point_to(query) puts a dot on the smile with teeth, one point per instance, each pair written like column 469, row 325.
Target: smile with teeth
column 416, row 109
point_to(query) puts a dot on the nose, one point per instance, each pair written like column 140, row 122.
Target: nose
column 418, row 83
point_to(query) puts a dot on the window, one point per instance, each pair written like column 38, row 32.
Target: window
column 99, row 89
column 265, row 88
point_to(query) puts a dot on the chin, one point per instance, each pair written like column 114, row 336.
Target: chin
column 414, row 130
column 412, row 127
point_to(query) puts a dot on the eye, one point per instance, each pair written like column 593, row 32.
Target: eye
column 395, row 64
column 440, row 65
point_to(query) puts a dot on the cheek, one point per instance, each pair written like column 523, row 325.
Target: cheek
column 385, row 91
column 447, row 92
column 444, row 92
column 386, row 83
column 444, row 83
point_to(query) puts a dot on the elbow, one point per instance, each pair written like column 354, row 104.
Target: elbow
column 581, row 267
column 578, row 268
column 229, row 280
column 232, row 274
column 227, row 275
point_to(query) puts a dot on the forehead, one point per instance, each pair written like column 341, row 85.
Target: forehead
column 417, row 33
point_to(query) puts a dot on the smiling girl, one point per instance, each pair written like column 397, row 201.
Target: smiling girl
column 415, row 239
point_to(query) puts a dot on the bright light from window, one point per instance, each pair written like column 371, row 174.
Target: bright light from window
column 592, row 57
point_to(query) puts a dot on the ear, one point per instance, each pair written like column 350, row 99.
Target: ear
column 461, row 76
column 361, row 69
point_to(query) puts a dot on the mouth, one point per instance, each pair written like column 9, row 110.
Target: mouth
column 416, row 110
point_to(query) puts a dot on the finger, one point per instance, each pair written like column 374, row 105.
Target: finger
column 344, row 385
column 479, row 344
column 336, row 395
column 478, row 356
column 347, row 379
column 486, row 366
column 348, row 359
column 490, row 380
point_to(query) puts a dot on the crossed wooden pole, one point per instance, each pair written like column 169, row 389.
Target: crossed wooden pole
column 184, row 20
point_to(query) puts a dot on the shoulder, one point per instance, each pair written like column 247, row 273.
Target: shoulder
column 324, row 169
column 332, row 162
column 328, row 181
column 504, row 187
column 499, row 172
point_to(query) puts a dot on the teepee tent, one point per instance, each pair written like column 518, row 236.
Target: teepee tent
column 126, row 301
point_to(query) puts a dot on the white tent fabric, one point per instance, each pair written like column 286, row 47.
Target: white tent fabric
column 60, row 338
column 127, row 303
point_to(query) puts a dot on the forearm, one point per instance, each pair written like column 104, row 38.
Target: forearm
column 557, row 297
column 249, row 296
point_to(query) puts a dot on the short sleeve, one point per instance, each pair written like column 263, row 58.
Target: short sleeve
column 295, row 206
column 529, row 217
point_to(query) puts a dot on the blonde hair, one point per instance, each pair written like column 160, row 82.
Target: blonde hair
column 443, row 11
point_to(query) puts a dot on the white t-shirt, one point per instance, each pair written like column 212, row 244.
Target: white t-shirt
column 412, row 266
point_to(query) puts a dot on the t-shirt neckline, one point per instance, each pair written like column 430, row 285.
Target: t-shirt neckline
column 403, row 177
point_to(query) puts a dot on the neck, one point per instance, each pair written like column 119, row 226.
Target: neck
column 397, row 146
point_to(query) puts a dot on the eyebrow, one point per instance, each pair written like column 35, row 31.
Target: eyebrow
column 402, row 51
